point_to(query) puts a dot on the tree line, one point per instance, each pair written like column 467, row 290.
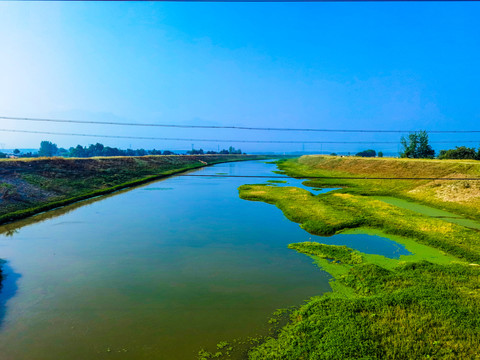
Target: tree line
column 48, row 149
column 416, row 146
column 231, row 150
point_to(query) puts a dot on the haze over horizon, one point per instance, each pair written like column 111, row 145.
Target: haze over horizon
column 387, row 65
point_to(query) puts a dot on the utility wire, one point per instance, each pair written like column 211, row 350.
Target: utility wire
column 327, row 177
column 232, row 127
column 219, row 140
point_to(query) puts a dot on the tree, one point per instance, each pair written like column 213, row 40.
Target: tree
column 417, row 146
column 2, row 155
column 77, row 151
column 367, row 153
column 47, row 148
column 460, row 152
column 232, row 150
column 195, row 152
column 95, row 150
column 380, row 154
column 63, row 152
column 16, row 152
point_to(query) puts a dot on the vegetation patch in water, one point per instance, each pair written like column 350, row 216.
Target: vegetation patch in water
column 330, row 213
column 277, row 181
column 335, row 253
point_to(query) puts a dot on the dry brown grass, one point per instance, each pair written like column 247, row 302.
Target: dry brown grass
column 393, row 167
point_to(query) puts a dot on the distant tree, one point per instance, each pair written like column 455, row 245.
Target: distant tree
column 78, row 151
column 195, row 152
column 3, row 155
column 28, row 155
column 367, row 153
column 333, row 154
column 460, row 152
column 416, row 146
column 16, row 152
column 94, row 150
column 109, row 151
column 168, row 152
column 380, row 154
column 63, row 152
column 232, row 150
column 47, row 148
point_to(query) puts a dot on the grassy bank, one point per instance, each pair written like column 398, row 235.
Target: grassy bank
column 461, row 196
column 30, row 186
column 420, row 306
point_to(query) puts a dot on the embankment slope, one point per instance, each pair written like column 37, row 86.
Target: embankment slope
column 30, row 186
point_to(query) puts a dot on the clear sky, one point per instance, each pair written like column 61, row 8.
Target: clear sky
column 369, row 65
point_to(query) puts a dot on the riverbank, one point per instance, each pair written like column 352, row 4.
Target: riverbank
column 422, row 305
column 31, row 186
column 459, row 196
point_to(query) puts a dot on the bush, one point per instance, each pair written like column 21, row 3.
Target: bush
column 367, row 153
column 460, row 152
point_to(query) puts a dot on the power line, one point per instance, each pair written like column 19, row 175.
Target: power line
column 219, row 140
column 327, row 177
column 231, row 127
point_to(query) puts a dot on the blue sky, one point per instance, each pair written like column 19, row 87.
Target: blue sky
column 322, row 65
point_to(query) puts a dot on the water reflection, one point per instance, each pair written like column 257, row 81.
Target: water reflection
column 8, row 287
column 13, row 228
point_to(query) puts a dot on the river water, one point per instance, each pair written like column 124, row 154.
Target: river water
column 156, row 272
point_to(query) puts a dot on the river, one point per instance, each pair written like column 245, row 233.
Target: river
column 155, row 272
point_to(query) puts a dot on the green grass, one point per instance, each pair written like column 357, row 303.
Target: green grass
column 336, row 254
column 277, row 181
column 418, row 310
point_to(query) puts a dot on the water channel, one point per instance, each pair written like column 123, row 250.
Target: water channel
column 155, row 272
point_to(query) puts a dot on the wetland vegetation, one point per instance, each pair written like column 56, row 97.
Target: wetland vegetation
column 424, row 305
